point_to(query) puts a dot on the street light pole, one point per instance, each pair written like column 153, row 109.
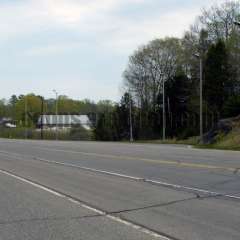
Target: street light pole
column 201, row 99
column 130, row 117
column 56, row 113
column 26, row 117
column 164, row 112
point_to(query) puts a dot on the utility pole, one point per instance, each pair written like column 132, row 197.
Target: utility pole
column 164, row 111
column 201, row 99
column 26, row 117
column 56, row 113
column 42, row 119
column 130, row 117
column 200, row 57
column 42, row 103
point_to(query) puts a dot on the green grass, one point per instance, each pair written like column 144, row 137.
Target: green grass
column 189, row 141
column 229, row 142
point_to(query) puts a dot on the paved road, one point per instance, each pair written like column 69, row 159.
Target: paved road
column 89, row 190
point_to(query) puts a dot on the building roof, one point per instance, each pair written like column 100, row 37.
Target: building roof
column 66, row 120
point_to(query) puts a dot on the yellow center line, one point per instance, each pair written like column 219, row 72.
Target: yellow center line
column 157, row 161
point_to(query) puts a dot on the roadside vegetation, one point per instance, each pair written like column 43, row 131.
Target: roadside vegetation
column 225, row 136
column 229, row 142
column 25, row 110
column 193, row 141
column 215, row 38
column 73, row 134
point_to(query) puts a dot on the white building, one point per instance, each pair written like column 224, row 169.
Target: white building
column 64, row 121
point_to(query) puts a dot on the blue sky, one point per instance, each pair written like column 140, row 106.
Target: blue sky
column 81, row 47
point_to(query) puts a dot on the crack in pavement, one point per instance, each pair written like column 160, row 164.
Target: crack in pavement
column 154, row 206
column 166, row 204
column 107, row 212
column 100, row 212
column 93, row 216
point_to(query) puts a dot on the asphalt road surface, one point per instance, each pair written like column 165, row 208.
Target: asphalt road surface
column 90, row 190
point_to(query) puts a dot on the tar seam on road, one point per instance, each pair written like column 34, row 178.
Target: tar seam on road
column 150, row 181
column 82, row 204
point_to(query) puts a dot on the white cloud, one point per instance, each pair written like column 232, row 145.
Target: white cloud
column 25, row 18
column 30, row 12
column 52, row 49
column 92, row 16
column 130, row 34
column 81, row 25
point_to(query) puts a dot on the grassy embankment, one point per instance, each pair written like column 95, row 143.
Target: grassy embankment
column 230, row 141
column 225, row 136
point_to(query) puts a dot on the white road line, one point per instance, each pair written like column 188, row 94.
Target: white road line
column 193, row 189
column 131, row 177
column 91, row 169
column 157, row 161
column 142, row 179
column 98, row 211
column 75, row 166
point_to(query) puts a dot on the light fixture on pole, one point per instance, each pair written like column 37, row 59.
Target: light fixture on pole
column 56, row 113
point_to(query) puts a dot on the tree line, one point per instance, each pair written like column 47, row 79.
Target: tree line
column 214, row 38
column 30, row 106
